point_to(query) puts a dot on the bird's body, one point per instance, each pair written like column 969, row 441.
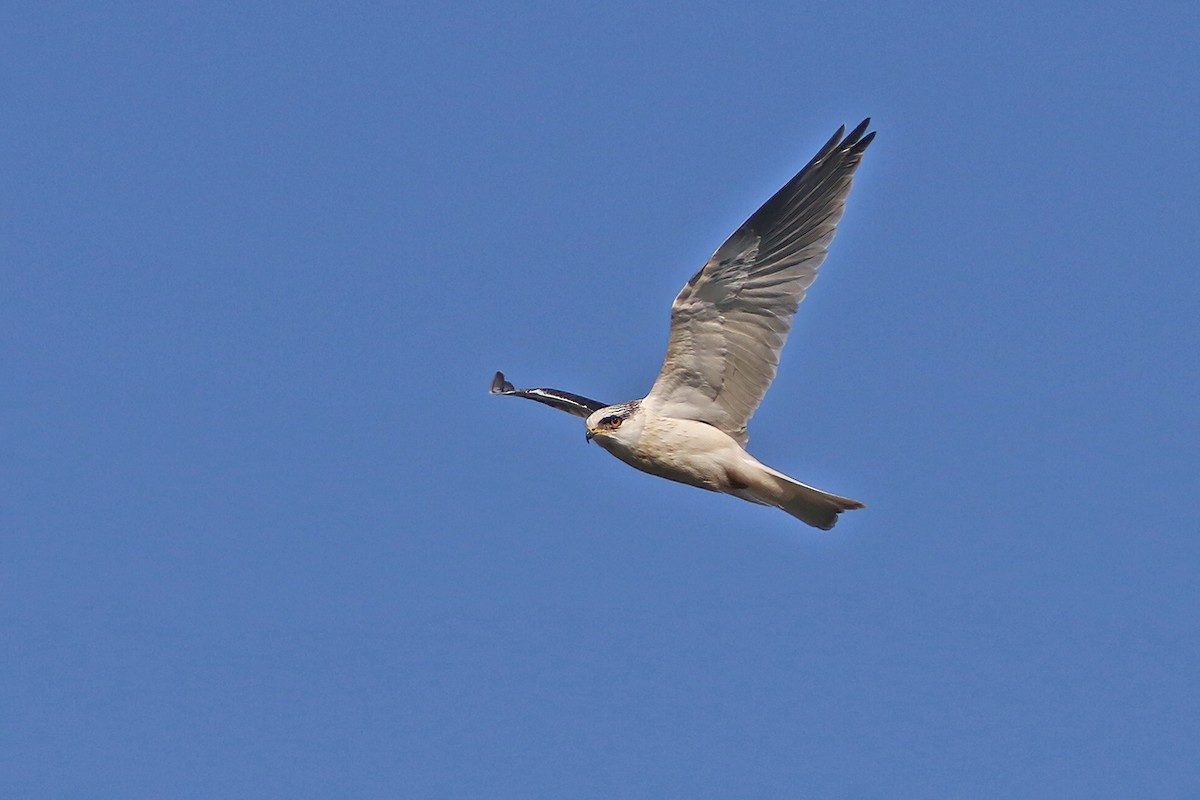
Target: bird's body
column 682, row 450
column 728, row 326
column 698, row 454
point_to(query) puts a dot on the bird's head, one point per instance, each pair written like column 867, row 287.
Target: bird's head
column 614, row 424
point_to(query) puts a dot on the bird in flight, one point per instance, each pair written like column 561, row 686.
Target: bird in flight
column 728, row 326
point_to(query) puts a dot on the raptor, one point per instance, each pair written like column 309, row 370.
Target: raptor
column 728, row 326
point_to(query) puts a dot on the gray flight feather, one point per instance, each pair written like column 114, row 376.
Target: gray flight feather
column 730, row 322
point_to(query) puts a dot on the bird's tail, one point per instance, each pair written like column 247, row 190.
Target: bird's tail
column 817, row 508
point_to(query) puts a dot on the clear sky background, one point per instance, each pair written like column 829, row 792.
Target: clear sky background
column 265, row 534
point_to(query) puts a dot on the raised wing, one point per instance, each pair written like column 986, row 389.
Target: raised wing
column 730, row 322
column 563, row 401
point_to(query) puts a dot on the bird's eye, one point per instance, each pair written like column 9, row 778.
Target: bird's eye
column 611, row 422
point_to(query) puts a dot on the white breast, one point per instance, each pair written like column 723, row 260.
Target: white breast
column 681, row 450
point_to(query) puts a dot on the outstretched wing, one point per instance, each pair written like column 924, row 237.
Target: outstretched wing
column 563, row 401
column 731, row 320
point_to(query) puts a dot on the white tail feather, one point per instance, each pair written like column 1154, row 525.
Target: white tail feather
column 817, row 508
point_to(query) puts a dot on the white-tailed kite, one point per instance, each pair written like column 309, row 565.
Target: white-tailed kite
column 728, row 326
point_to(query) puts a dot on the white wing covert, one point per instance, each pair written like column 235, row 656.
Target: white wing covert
column 730, row 321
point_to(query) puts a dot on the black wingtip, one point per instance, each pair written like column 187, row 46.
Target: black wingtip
column 499, row 385
column 855, row 144
column 843, row 142
column 859, row 130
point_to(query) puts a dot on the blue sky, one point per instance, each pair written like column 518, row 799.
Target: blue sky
column 266, row 535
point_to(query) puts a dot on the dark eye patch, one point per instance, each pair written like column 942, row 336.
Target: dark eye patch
column 612, row 422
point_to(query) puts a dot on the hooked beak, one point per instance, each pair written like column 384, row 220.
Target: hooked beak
column 588, row 436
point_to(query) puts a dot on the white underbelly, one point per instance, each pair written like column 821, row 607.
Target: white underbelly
column 686, row 451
